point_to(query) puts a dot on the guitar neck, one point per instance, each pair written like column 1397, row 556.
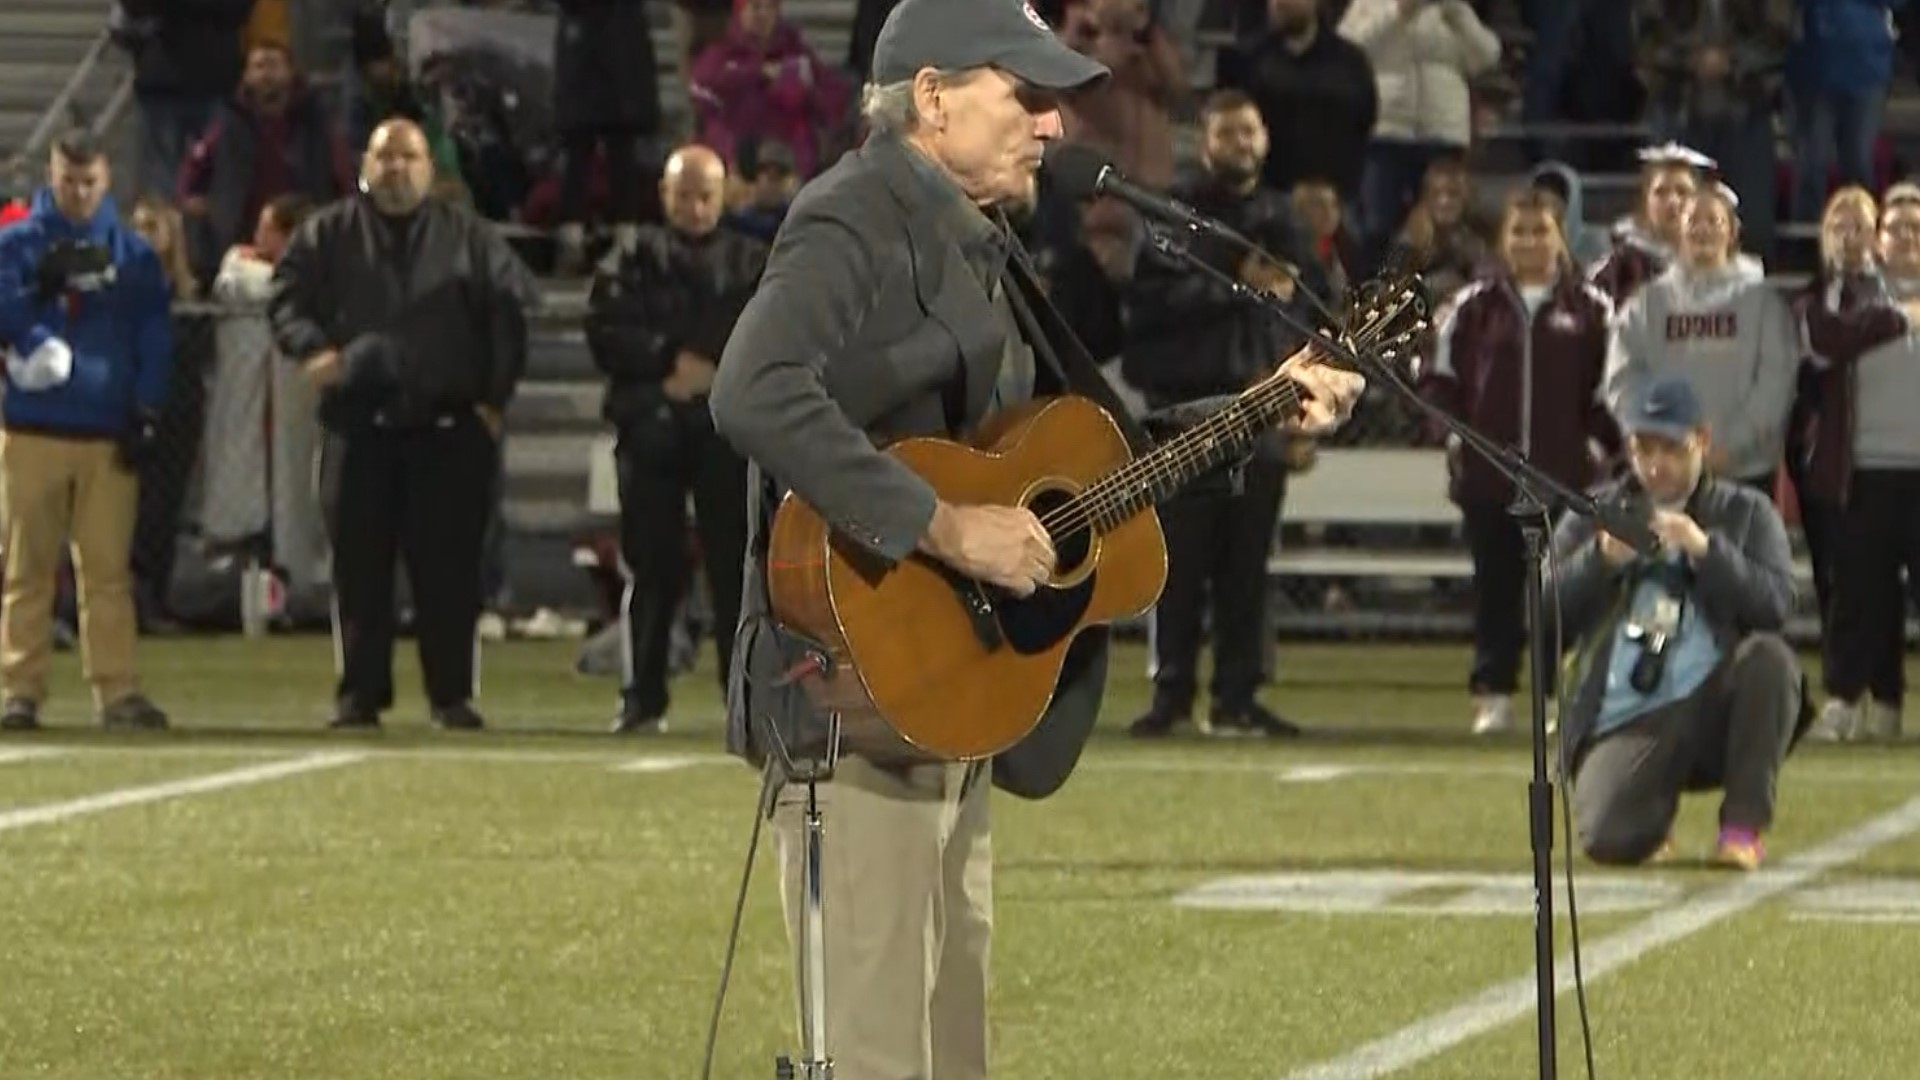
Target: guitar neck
column 1170, row 468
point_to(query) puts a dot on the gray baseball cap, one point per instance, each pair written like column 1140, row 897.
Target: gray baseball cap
column 961, row 34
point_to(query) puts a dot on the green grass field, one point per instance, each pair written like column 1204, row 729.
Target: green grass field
column 251, row 897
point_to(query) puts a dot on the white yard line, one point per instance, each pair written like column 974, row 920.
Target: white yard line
column 10, row 754
column 659, row 763
column 1509, row 1001
column 1281, row 767
column 1870, row 918
column 51, row 813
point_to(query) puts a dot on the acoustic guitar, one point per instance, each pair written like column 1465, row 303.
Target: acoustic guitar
column 924, row 664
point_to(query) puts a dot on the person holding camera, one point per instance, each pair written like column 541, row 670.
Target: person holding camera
column 1681, row 680
column 84, row 310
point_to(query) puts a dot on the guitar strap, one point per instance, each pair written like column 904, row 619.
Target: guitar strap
column 1056, row 345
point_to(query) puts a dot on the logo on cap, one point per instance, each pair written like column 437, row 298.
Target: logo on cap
column 1034, row 17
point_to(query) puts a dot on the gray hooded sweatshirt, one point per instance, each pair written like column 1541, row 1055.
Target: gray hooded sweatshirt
column 1887, row 393
column 1733, row 336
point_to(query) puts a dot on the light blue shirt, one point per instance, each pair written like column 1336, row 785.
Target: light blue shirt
column 1691, row 652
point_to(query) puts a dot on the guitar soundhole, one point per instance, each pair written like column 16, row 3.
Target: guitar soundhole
column 1072, row 540
column 1041, row 621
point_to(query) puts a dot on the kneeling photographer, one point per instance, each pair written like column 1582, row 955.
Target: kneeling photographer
column 1681, row 681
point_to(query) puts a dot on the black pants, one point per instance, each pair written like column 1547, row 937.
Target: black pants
column 1733, row 734
column 1823, row 525
column 1499, row 598
column 424, row 495
column 632, row 198
column 1879, row 535
column 1222, row 542
column 661, row 459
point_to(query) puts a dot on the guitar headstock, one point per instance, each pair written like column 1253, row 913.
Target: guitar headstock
column 1390, row 316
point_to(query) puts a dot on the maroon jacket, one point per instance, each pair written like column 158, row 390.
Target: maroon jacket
column 1844, row 321
column 1627, row 267
column 1533, row 386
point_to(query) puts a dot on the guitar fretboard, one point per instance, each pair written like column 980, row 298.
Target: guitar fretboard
column 1157, row 476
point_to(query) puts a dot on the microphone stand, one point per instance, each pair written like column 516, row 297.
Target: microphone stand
column 1536, row 493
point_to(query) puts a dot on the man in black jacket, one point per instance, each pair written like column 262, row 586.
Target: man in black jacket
column 1188, row 338
column 409, row 315
column 661, row 309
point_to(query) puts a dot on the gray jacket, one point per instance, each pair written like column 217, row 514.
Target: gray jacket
column 1744, row 585
column 866, row 314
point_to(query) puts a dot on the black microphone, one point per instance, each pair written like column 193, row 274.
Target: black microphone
column 1085, row 173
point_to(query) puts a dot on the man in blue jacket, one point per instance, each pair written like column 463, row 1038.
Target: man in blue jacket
column 84, row 315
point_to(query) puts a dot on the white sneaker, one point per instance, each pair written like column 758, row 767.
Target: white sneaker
column 1883, row 721
column 570, row 249
column 1839, row 721
column 1492, row 715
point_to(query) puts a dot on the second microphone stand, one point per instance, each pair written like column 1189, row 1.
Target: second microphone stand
column 1536, row 495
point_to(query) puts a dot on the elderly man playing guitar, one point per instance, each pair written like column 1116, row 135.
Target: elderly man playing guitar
column 898, row 311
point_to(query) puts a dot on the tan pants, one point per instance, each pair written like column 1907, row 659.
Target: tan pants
column 59, row 490
column 907, row 883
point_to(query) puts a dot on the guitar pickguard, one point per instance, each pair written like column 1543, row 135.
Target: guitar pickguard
column 1039, row 622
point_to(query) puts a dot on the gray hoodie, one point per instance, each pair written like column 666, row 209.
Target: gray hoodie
column 1733, row 336
column 1887, row 395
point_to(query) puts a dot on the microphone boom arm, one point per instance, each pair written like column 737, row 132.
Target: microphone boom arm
column 1527, row 478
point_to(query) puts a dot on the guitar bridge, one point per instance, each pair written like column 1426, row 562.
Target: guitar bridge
column 978, row 605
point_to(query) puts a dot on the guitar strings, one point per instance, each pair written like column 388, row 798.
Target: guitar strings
column 1143, row 474
column 1099, row 498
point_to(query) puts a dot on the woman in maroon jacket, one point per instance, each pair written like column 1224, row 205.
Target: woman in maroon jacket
column 1521, row 357
column 1859, row 474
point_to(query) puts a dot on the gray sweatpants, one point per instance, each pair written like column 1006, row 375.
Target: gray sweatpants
column 1732, row 734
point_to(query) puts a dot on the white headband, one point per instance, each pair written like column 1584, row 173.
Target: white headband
column 1672, row 153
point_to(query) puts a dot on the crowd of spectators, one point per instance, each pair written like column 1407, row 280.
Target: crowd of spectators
column 1374, row 116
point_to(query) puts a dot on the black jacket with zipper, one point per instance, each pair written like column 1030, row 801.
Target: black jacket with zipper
column 665, row 293
column 428, row 312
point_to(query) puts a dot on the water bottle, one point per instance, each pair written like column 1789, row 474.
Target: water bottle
column 253, row 600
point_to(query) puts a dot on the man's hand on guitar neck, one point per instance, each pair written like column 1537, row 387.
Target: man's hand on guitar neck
column 1000, row 545
column 1327, row 396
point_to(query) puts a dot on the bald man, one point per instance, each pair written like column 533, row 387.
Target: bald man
column 661, row 308
column 408, row 315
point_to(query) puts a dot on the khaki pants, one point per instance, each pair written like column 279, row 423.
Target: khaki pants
column 59, row 490
column 907, row 883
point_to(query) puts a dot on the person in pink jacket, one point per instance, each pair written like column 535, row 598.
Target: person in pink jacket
column 764, row 81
